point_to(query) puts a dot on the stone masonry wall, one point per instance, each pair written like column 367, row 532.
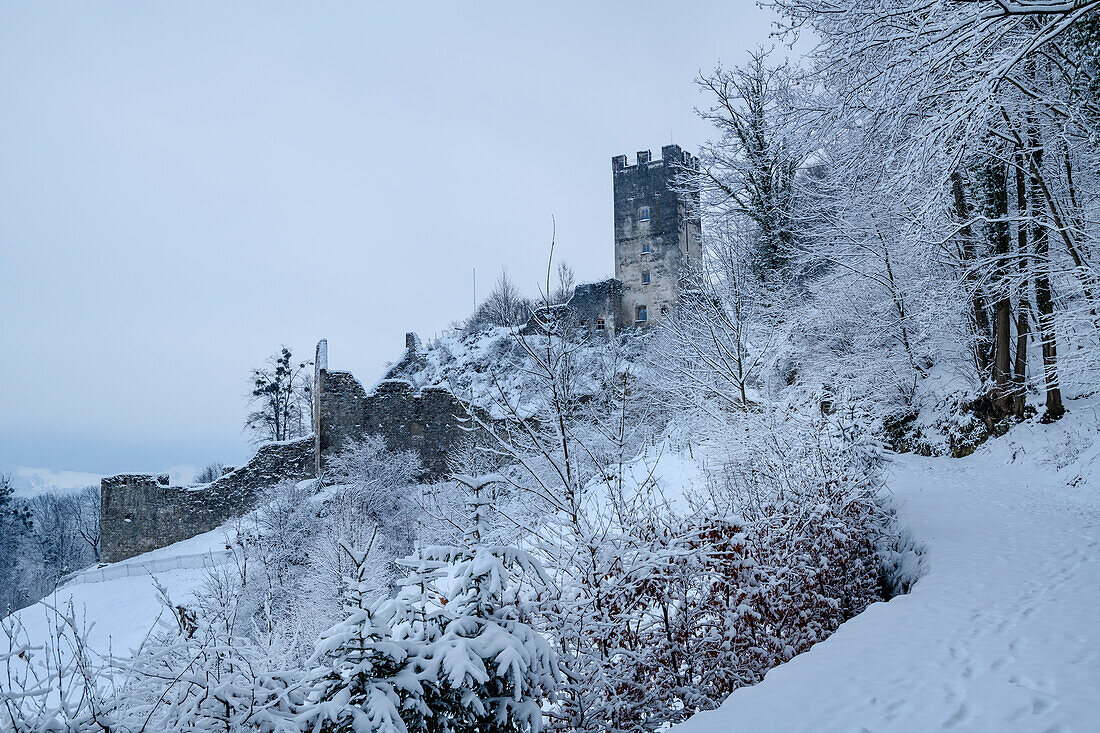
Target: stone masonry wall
column 427, row 421
column 670, row 231
column 592, row 302
column 140, row 513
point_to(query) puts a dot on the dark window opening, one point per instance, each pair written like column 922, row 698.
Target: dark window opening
column 600, row 326
column 645, row 213
column 641, row 314
column 645, row 278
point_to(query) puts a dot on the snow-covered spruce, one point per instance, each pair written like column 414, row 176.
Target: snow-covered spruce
column 451, row 652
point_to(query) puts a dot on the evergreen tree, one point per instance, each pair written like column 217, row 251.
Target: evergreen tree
column 489, row 670
column 15, row 524
column 355, row 688
column 452, row 653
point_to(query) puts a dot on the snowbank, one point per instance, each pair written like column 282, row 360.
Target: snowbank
column 1002, row 632
column 118, row 603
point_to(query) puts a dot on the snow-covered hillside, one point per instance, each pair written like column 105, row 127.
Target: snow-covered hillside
column 117, row 604
column 480, row 365
column 1002, row 633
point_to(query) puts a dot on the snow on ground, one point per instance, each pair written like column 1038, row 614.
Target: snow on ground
column 118, row 613
column 1002, row 633
column 118, row 602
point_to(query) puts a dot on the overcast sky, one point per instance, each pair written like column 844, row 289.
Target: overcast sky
column 186, row 186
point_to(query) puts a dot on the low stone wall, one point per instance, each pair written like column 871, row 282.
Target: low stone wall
column 140, row 513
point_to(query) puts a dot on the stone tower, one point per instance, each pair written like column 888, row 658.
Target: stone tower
column 656, row 236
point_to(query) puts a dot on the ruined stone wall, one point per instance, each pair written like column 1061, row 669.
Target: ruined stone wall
column 341, row 402
column 595, row 302
column 427, row 421
column 140, row 513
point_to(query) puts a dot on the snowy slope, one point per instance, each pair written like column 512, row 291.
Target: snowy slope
column 118, row 601
column 1002, row 633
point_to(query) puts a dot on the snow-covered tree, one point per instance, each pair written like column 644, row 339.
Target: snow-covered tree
column 281, row 399
column 363, row 683
column 452, row 652
column 15, row 524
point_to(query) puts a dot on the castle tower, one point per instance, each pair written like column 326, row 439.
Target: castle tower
column 656, row 237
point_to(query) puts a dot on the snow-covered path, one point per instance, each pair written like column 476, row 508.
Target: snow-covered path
column 1002, row 633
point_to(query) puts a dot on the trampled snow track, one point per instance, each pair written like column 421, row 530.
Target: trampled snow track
column 1002, row 633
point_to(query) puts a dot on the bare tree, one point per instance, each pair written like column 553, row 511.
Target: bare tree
column 89, row 505
column 749, row 170
column 566, row 281
column 210, row 472
column 714, row 346
column 505, row 305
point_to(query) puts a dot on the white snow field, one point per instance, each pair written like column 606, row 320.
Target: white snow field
column 1001, row 633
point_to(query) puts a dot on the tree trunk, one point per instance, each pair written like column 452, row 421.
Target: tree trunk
column 995, row 208
column 1044, row 298
column 979, row 319
column 1023, row 316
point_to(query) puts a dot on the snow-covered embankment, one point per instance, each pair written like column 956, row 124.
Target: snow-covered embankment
column 1003, row 630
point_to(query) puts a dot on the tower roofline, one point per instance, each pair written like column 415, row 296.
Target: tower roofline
column 669, row 154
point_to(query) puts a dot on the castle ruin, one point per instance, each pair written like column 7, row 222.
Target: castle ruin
column 141, row 512
column 657, row 237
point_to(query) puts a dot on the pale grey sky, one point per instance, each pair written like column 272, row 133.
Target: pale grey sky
column 186, row 186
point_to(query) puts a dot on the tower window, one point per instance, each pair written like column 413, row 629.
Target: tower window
column 645, row 248
column 644, row 216
column 641, row 315
column 600, row 325
column 645, row 277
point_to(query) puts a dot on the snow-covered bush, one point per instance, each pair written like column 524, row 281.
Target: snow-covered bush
column 201, row 671
column 372, row 503
column 53, row 683
column 783, row 546
column 809, row 492
column 451, row 652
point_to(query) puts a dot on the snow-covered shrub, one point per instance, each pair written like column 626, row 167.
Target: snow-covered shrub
column 808, row 491
column 452, row 652
column 199, row 673
column 953, row 425
column 372, row 503
column 55, row 683
column 784, row 545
